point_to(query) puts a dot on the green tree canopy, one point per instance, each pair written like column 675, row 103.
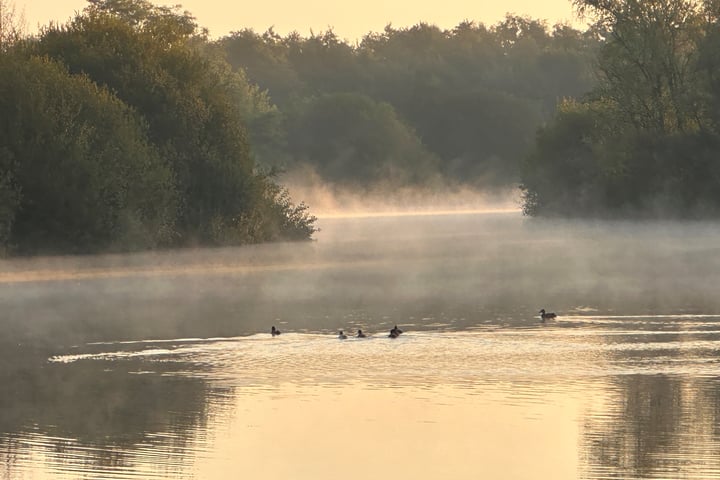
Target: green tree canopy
column 644, row 142
column 79, row 174
column 156, row 60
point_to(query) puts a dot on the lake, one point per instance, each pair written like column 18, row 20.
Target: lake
column 161, row 365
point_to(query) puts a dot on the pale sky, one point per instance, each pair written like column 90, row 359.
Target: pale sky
column 350, row 20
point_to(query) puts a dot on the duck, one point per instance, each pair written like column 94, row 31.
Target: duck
column 341, row 335
column 545, row 316
column 395, row 331
column 274, row 331
column 360, row 334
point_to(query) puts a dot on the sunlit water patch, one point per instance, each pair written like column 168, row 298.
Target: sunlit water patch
column 426, row 357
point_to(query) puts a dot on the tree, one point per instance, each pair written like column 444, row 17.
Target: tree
column 563, row 175
column 79, row 174
column 11, row 24
column 353, row 140
column 648, row 61
column 324, row 63
column 264, row 59
column 645, row 141
column 156, row 60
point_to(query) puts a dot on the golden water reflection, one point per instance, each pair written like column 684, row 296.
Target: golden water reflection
column 355, row 432
column 544, row 403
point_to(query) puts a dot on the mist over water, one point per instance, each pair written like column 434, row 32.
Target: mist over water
column 160, row 365
column 461, row 271
column 333, row 201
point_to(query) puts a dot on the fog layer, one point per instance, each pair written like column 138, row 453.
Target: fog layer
column 425, row 272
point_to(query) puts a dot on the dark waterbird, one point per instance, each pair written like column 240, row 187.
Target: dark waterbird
column 545, row 316
column 395, row 332
column 341, row 335
column 274, row 331
column 360, row 334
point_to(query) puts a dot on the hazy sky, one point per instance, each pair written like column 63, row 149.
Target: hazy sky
column 349, row 20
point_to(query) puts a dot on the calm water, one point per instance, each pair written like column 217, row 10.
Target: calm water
column 160, row 365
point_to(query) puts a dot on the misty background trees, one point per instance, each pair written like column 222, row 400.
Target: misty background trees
column 617, row 120
column 461, row 104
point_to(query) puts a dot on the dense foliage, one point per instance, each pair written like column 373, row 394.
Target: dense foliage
column 124, row 129
column 78, row 172
column 419, row 102
column 128, row 128
column 645, row 140
column 352, row 139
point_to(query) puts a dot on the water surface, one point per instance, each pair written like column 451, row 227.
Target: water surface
column 160, row 365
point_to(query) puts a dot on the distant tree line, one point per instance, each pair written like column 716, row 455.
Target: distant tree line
column 412, row 106
column 126, row 129
column 646, row 140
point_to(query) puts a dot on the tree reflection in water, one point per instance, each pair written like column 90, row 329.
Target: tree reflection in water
column 101, row 414
column 654, row 426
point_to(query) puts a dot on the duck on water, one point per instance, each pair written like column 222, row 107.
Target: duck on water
column 546, row 315
column 395, row 332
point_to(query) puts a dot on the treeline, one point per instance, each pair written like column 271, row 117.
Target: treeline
column 416, row 105
column 129, row 128
column 646, row 140
column 126, row 129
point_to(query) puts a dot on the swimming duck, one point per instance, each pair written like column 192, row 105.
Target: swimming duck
column 341, row 335
column 360, row 334
column 395, row 332
column 274, row 331
column 545, row 316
